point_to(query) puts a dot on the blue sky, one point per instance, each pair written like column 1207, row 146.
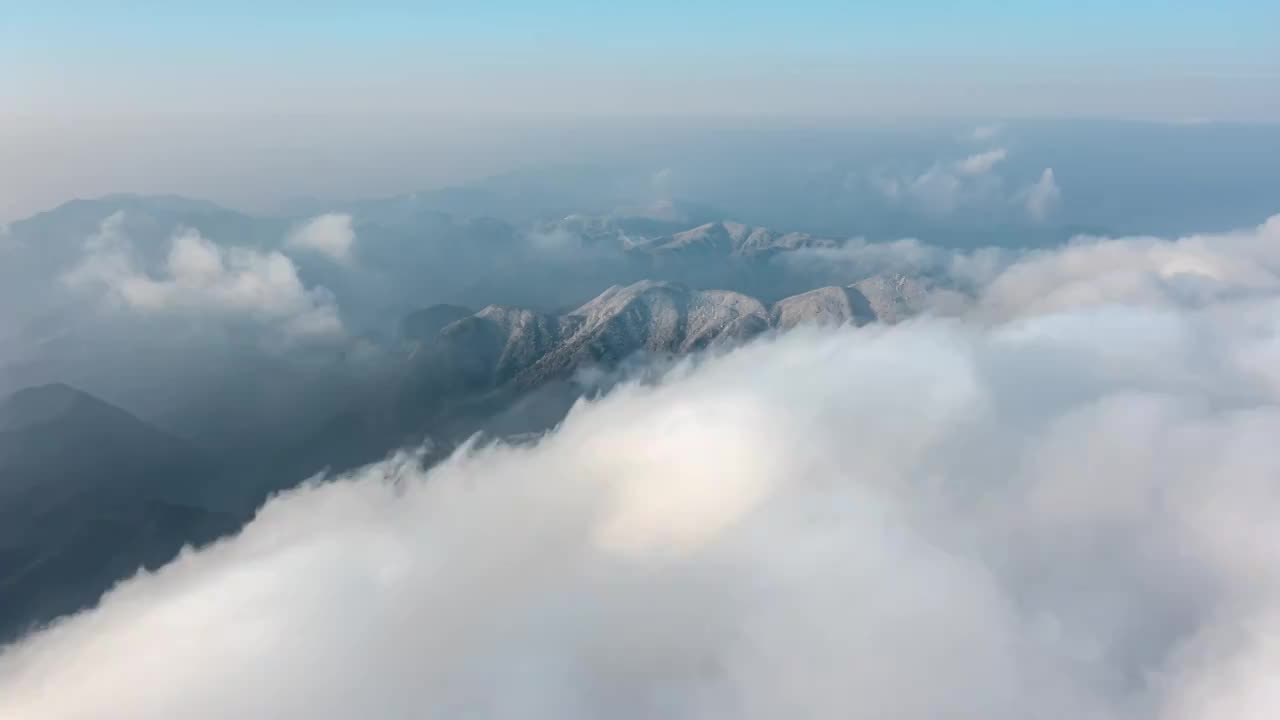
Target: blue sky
column 906, row 59
column 1238, row 29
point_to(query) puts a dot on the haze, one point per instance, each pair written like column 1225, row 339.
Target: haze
column 342, row 99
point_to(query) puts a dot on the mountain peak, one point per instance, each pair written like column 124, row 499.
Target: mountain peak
column 894, row 297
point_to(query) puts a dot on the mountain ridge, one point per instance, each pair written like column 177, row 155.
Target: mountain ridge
column 523, row 346
column 90, row 493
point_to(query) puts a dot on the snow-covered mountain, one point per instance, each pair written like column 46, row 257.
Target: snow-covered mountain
column 502, row 345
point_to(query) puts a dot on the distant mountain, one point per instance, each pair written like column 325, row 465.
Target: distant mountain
column 148, row 220
column 518, row 345
column 521, row 348
column 88, row 494
column 731, row 238
column 660, row 236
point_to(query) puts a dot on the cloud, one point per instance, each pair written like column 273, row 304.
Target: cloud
column 1067, row 512
column 984, row 133
column 1193, row 272
column 944, row 188
column 199, row 276
column 938, row 190
column 981, row 163
column 971, row 182
column 330, row 234
column 1001, row 284
column 857, row 259
column 661, row 181
column 1042, row 197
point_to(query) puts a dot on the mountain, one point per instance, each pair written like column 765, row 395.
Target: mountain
column 732, row 238
column 665, row 237
column 895, row 297
column 501, row 345
column 825, row 306
column 88, row 494
column 523, row 348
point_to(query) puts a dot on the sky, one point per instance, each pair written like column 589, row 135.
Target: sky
column 346, row 99
column 1047, row 57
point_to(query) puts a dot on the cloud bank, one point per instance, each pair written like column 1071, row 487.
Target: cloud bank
column 199, row 276
column 1060, row 510
column 1000, row 284
column 1190, row 272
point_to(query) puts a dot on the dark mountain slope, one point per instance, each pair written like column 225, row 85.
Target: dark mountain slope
column 88, row 494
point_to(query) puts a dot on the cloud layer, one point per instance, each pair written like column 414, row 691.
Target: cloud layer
column 999, row 285
column 1055, row 510
column 199, row 276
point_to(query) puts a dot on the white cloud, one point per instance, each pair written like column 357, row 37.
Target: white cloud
column 1042, row 197
column 981, row 163
column 944, row 188
column 1069, row 514
column 1188, row 272
column 201, row 276
column 1003, row 284
column 937, row 190
column 971, row 182
column 330, row 234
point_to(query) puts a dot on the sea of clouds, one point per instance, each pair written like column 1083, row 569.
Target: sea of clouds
column 1059, row 503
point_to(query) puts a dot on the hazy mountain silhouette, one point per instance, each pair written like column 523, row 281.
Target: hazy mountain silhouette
column 88, row 494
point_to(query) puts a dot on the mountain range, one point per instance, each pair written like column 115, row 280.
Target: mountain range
column 501, row 345
column 88, row 495
column 90, row 492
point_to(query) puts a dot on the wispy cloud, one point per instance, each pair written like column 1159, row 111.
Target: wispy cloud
column 1042, row 197
column 981, row 163
column 946, row 187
